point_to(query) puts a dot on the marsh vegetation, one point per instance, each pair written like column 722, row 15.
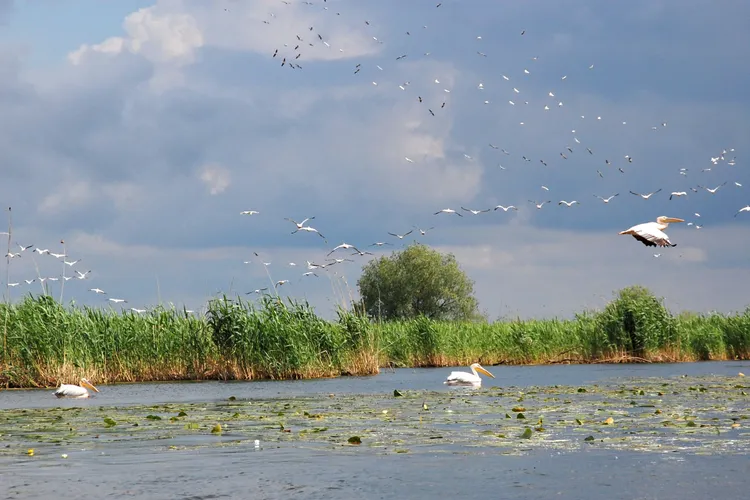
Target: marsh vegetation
column 45, row 342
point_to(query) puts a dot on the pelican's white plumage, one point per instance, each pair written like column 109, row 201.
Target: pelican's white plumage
column 652, row 234
column 75, row 391
column 469, row 379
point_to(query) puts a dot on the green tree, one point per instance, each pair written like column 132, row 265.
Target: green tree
column 417, row 281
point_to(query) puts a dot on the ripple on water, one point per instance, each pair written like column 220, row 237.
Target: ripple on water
column 468, row 435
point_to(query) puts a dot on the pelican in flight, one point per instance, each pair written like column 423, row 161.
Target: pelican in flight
column 469, row 379
column 652, row 233
column 646, row 196
column 75, row 391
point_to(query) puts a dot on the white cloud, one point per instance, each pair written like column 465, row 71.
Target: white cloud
column 216, row 178
column 67, row 196
column 160, row 37
column 243, row 28
column 188, row 103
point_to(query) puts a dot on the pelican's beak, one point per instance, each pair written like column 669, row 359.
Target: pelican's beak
column 482, row 370
column 89, row 385
column 674, row 219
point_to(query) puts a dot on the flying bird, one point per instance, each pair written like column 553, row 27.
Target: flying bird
column 743, row 209
column 468, row 379
column 539, row 205
column 448, row 211
column 712, row 191
column 249, row 212
column 475, row 212
column 606, row 200
column 505, row 209
column 677, row 194
column 568, row 203
column 646, row 196
column 299, row 224
column 402, row 236
column 309, row 230
column 652, row 234
column 346, row 246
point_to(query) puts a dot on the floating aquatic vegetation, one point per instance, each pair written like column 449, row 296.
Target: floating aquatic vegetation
column 648, row 415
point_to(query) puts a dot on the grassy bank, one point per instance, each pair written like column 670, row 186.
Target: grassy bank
column 45, row 343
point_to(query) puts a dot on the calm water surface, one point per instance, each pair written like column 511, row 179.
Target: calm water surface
column 403, row 378
column 139, row 469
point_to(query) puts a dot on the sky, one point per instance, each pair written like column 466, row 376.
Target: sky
column 137, row 131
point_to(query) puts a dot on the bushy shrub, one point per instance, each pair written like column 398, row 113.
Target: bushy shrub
column 637, row 322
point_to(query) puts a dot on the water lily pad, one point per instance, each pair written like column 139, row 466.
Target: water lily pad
column 465, row 420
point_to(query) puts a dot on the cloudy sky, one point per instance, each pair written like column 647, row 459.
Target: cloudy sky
column 137, row 131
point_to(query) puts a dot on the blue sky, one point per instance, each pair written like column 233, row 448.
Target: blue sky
column 137, row 132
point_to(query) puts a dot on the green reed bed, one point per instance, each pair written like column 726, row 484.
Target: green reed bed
column 45, row 342
column 634, row 327
column 422, row 342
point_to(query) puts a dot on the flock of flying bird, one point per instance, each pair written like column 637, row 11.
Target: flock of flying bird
column 292, row 56
column 650, row 233
column 30, row 251
column 310, row 39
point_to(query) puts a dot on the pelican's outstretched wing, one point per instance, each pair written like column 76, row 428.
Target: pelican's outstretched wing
column 650, row 235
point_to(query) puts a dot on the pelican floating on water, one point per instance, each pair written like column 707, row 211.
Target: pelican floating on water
column 469, row 379
column 75, row 391
column 652, row 234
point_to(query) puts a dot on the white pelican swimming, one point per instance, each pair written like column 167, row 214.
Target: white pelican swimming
column 652, row 233
column 466, row 378
column 75, row 391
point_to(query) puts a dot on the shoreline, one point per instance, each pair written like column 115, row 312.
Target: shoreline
column 187, row 380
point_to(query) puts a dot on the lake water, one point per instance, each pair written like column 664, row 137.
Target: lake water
column 679, row 431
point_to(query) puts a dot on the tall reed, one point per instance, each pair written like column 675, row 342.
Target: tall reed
column 7, row 294
column 46, row 343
